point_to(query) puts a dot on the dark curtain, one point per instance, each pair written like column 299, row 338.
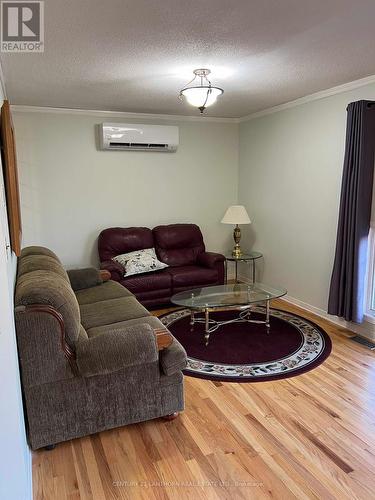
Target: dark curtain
column 347, row 291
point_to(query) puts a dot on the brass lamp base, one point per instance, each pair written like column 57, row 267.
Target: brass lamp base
column 237, row 252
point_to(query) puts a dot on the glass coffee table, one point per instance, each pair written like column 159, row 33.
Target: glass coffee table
column 237, row 297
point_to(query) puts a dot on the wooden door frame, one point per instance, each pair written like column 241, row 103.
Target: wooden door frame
column 9, row 162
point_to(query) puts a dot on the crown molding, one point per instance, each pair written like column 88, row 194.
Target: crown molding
column 120, row 114
column 346, row 87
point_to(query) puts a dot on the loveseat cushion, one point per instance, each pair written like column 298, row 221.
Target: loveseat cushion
column 155, row 298
column 193, row 276
column 111, row 311
column 106, row 291
column 158, row 280
column 117, row 240
column 178, row 244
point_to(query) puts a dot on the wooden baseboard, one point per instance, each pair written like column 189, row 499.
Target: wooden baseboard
column 364, row 329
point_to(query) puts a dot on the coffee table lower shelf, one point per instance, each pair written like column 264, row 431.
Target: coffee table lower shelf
column 211, row 325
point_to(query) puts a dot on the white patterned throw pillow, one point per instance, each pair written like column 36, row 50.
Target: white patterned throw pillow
column 140, row 261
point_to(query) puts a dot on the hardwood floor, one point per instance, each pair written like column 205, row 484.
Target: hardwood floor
column 310, row 436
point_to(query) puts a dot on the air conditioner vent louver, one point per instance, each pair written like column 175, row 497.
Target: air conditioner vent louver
column 135, row 145
column 118, row 136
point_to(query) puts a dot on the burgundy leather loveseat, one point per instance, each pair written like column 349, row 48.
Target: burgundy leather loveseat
column 180, row 246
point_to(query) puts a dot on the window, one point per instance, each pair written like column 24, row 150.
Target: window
column 370, row 299
column 370, row 275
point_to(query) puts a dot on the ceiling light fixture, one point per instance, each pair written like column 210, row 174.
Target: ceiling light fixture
column 202, row 95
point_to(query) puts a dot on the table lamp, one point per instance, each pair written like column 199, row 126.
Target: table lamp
column 236, row 214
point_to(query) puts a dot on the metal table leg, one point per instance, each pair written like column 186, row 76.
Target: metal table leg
column 192, row 320
column 211, row 325
column 267, row 315
column 207, row 325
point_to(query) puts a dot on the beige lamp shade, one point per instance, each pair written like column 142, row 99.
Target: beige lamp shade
column 236, row 214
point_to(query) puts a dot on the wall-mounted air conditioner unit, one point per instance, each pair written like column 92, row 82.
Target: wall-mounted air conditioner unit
column 135, row 137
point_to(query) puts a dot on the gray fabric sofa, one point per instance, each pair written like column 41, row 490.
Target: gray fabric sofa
column 89, row 354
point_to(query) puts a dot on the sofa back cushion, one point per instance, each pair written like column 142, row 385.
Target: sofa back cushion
column 37, row 250
column 40, row 263
column 178, row 244
column 117, row 241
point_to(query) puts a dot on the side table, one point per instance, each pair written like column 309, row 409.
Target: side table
column 245, row 257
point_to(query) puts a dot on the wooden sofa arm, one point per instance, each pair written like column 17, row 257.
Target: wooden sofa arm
column 47, row 309
column 104, row 275
column 163, row 338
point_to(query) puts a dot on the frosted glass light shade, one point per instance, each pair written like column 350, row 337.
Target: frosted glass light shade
column 236, row 214
column 196, row 96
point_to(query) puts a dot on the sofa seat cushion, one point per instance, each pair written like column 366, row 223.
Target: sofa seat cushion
column 153, row 321
column 111, row 311
column 193, row 276
column 106, row 291
column 149, row 281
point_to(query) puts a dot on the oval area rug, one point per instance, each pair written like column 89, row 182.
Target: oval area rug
column 245, row 352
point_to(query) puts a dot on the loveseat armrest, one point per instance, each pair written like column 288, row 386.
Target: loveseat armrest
column 173, row 358
column 115, row 268
column 116, row 349
column 210, row 259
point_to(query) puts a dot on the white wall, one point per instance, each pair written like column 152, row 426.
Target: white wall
column 70, row 191
column 15, row 457
column 290, row 180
